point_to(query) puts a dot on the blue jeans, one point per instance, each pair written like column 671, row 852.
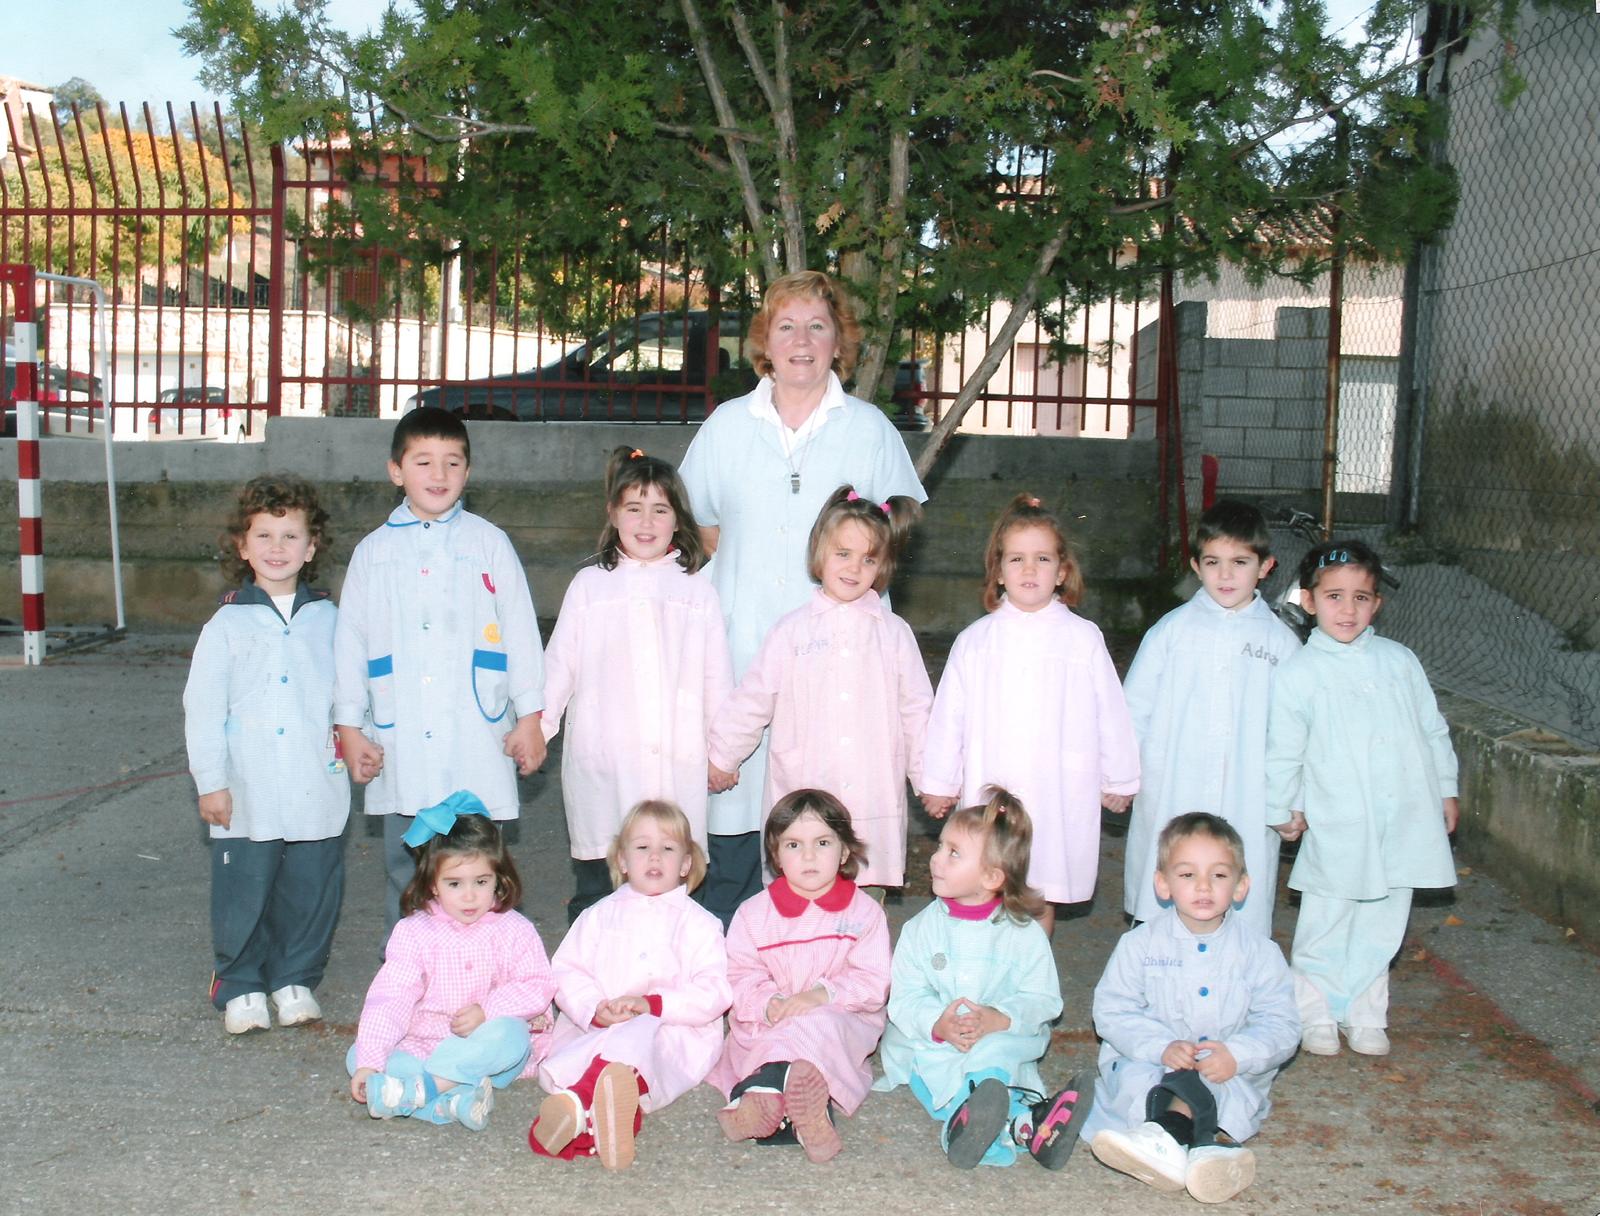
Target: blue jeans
column 498, row 1050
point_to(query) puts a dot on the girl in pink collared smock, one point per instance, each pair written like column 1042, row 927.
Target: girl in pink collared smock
column 642, row 983
column 843, row 685
column 809, row 963
column 639, row 664
column 1030, row 702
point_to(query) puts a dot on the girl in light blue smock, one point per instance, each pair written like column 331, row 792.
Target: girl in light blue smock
column 1359, row 760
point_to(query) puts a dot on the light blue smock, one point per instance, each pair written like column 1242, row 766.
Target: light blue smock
column 436, row 655
column 739, row 481
column 1163, row 984
column 1356, row 741
column 1198, row 692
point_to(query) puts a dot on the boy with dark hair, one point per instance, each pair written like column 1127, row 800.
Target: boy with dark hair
column 1198, row 692
column 439, row 670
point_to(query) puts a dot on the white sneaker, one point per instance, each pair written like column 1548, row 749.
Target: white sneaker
column 1218, row 1172
column 1320, row 1039
column 246, row 1013
column 296, row 1005
column 1367, row 1040
column 1148, row 1153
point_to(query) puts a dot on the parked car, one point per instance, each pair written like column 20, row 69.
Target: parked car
column 199, row 410
column 909, row 414
column 69, row 402
column 653, row 368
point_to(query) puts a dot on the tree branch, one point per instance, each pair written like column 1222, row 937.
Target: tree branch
column 775, row 87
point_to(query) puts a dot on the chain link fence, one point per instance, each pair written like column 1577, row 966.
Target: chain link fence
column 1501, row 570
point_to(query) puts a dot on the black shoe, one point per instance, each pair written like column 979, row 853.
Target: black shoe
column 1049, row 1131
column 977, row 1123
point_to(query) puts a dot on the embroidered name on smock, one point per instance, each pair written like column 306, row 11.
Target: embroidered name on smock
column 1258, row 652
column 1151, row 960
column 814, row 646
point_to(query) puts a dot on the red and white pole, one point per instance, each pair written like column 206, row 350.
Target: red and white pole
column 30, row 521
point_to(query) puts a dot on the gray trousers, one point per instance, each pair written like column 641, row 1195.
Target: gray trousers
column 274, row 906
column 399, row 865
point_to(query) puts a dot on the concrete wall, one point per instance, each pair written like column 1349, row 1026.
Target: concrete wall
column 542, row 484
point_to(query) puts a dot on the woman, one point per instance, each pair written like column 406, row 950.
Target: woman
column 758, row 472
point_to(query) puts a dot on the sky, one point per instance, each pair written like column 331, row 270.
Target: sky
column 126, row 49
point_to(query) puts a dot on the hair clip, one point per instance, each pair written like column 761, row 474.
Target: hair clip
column 1334, row 557
column 1032, row 501
column 636, row 454
column 437, row 820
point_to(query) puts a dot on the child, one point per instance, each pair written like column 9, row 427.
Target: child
column 809, row 961
column 437, row 650
column 1197, row 1015
column 446, row 1020
column 1029, row 700
column 1197, row 692
column 642, row 983
column 1359, row 759
column 258, row 724
column 973, row 994
column 639, row 663
column 842, row 683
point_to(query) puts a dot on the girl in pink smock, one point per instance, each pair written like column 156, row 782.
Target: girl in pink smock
column 809, row 961
column 642, row 985
column 842, row 684
column 639, row 664
column 1029, row 701
column 458, row 1007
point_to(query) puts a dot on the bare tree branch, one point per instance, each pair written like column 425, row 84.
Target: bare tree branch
column 775, row 87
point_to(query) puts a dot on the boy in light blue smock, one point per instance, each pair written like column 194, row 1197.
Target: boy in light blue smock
column 259, row 729
column 1198, row 692
column 439, row 670
column 1196, row 1009
column 1359, row 760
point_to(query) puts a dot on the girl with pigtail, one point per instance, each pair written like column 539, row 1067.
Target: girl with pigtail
column 972, row 993
column 841, row 682
column 639, row 664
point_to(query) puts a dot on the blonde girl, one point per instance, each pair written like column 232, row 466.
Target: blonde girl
column 809, row 963
column 638, row 663
column 1030, row 701
column 447, row 1018
column 842, row 684
column 973, row 993
column 642, row 983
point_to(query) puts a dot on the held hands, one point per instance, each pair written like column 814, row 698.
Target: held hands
column 718, row 779
column 1211, row 1059
column 525, row 744
column 1294, row 829
column 1452, row 814
column 467, row 1019
column 358, row 1084
column 780, row 1007
column 937, row 805
column 622, row 1009
column 964, row 1022
column 362, row 757
column 217, row 807
column 1117, row 804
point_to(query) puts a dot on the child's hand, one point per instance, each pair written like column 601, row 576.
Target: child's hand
column 525, row 744
column 467, row 1019
column 362, row 757
column 1117, row 804
column 989, row 1021
column 936, row 805
column 780, row 1007
column 622, row 1009
column 217, row 807
column 1179, row 1055
column 958, row 1024
column 1452, row 814
column 718, row 779
column 540, row 1022
column 1294, row 829
column 358, row 1084
column 1216, row 1062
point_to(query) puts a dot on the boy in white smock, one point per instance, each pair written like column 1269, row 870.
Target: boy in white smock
column 439, row 669
column 1198, row 692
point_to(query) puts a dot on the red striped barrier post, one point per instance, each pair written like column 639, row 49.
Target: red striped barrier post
column 30, row 521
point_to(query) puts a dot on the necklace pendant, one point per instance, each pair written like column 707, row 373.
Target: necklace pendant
column 794, row 483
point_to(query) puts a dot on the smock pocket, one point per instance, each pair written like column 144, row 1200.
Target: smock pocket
column 380, row 688
column 489, row 681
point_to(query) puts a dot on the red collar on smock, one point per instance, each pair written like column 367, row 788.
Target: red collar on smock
column 971, row 911
column 836, row 899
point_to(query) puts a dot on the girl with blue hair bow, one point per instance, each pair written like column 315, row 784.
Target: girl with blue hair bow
column 458, row 1008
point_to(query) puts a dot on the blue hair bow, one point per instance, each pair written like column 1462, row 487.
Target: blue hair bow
column 437, row 820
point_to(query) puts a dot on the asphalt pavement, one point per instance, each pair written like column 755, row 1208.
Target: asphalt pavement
column 129, row 1097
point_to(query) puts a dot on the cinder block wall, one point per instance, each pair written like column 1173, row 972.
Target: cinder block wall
column 542, row 484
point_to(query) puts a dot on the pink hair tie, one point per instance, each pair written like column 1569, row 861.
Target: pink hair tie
column 636, row 454
column 1032, row 501
column 852, row 496
column 884, row 507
